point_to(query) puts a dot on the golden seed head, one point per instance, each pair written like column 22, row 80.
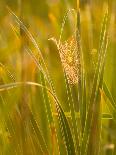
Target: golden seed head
column 70, row 59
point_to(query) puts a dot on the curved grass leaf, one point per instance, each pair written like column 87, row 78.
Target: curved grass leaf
column 49, row 113
column 64, row 126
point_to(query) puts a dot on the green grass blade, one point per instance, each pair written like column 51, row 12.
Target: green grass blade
column 39, row 135
column 74, row 120
column 93, row 114
column 64, row 126
column 49, row 113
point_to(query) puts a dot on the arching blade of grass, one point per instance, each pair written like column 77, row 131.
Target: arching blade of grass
column 64, row 126
column 49, row 114
column 57, row 105
column 61, row 116
column 41, row 140
column 40, row 63
column 93, row 114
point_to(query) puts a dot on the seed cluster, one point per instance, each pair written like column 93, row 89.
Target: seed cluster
column 70, row 59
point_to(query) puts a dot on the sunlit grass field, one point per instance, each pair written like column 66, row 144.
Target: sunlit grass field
column 57, row 77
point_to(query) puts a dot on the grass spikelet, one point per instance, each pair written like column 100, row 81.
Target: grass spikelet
column 69, row 58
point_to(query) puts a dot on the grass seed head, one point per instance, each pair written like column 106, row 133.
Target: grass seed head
column 70, row 59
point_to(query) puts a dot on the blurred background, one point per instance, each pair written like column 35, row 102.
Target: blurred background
column 44, row 18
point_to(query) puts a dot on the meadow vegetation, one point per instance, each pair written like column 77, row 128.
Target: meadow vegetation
column 57, row 77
